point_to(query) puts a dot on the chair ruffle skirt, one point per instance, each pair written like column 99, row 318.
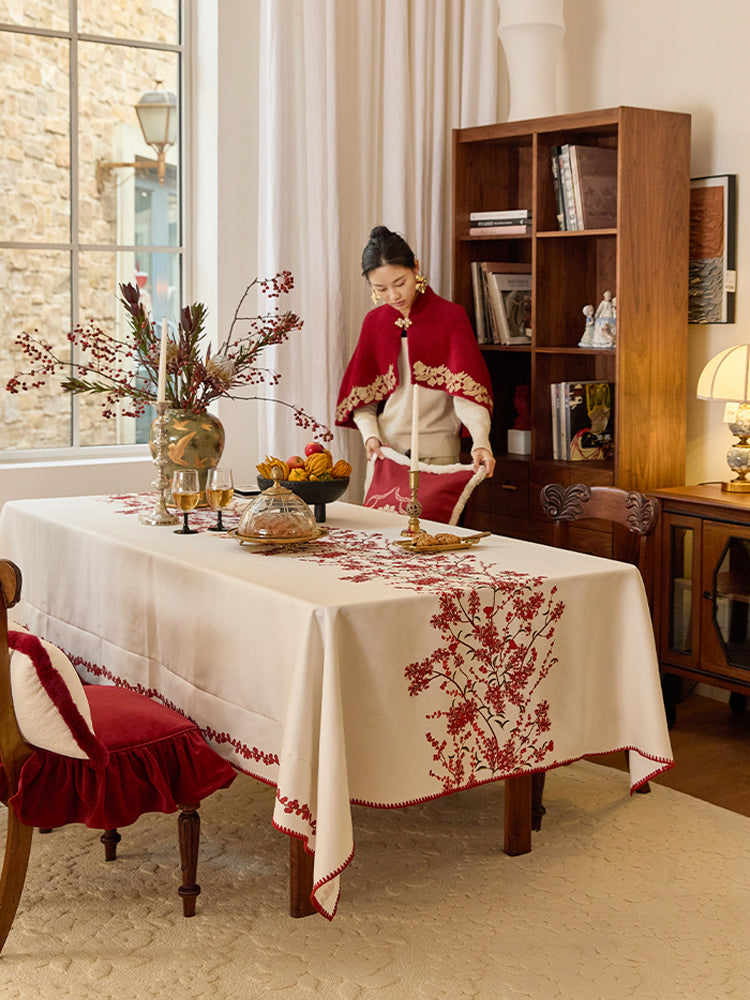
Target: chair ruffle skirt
column 158, row 760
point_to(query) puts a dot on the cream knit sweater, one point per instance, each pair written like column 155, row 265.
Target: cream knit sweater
column 440, row 419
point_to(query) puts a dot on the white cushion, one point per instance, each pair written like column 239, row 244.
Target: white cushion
column 42, row 711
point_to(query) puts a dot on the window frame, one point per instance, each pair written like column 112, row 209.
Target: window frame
column 76, row 453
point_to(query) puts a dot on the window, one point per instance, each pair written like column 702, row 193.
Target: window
column 86, row 202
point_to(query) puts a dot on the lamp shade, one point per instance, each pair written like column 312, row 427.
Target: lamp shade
column 727, row 376
column 157, row 114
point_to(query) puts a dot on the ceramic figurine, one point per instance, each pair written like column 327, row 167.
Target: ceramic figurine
column 605, row 322
column 587, row 340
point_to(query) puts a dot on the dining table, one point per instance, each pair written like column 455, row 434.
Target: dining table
column 350, row 669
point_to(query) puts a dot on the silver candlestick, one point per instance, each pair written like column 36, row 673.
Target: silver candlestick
column 160, row 514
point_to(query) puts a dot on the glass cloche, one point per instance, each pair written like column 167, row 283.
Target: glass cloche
column 277, row 514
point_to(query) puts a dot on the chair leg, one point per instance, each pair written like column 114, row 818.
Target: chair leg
column 15, row 864
column 110, row 839
column 189, row 830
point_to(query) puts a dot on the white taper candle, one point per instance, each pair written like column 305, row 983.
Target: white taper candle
column 414, row 427
column 161, row 392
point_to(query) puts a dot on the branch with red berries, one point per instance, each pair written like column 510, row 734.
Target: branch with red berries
column 125, row 372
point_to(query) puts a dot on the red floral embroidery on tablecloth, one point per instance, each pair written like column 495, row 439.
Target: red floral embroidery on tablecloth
column 241, row 749
column 293, row 807
column 494, row 647
column 201, row 517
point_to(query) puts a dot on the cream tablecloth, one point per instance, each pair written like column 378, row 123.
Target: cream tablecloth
column 347, row 670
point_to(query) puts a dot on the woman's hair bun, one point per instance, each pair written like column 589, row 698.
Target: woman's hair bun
column 386, row 247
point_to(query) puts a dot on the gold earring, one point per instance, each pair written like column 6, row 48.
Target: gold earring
column 375, row 297
column 421, row 282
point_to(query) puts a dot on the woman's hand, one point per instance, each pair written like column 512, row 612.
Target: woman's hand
column 483, row 457
column 372, row 449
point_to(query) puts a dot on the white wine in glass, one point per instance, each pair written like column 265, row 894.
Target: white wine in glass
column 219, row 493
column 186, row 494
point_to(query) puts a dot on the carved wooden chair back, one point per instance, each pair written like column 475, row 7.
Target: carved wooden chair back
column 633, row 511
column 13, row 752
column 13, row 749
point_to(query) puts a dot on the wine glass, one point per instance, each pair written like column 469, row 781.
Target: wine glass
column 219, row 493
column 186, row 494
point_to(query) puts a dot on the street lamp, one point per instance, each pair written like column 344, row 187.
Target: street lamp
column 157, row 116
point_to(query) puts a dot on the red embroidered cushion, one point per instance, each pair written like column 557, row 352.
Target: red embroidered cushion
column 443, row 489
column 49, row 700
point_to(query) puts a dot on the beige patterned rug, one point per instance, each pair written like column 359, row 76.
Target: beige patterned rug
column 645, row 897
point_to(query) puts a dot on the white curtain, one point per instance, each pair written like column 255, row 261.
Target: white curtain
column 358, row 99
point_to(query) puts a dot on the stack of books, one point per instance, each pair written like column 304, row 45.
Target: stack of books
column 585, row 182
column 583, row 420
column 511, row 222
column 502, row 302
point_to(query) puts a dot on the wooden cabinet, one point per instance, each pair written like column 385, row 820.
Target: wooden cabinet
column 643, row 261
column 702, row 607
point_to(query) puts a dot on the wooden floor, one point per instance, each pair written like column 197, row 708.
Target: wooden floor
column 711, row 747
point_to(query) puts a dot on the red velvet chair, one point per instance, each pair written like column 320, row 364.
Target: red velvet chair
column 102, row 756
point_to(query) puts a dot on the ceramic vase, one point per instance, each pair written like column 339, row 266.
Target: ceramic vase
column 194, row 441
column 531, row 32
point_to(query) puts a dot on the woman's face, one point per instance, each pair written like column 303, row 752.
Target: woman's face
column 395, row 285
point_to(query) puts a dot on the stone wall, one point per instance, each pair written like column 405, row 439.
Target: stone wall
column 35, row 182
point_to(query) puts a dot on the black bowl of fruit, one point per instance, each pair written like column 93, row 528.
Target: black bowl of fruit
column 315, row 478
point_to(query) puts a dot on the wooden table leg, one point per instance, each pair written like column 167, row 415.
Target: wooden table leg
column 537, row 797
column 518, row 814
column 300, row 879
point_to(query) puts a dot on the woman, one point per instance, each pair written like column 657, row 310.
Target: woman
column 414, row 337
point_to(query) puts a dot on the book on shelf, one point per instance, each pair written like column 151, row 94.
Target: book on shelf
column 583, row 420
column 594, row 171
column 566, row 178
column 554, row 392
column 557, row 186
column 502, row 230
column 508, row 301
column 575, row 180
column 484, row 334
column 492, row 331
column 584, row 179
column 509, row 213
column 493, row 223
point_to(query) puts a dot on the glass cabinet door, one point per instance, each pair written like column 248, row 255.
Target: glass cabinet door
column 731, row 601
column 725, row 602
column 681, row 566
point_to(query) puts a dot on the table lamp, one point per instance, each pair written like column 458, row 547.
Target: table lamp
column 727, row 377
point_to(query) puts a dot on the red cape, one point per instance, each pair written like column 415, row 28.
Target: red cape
column 443, row 354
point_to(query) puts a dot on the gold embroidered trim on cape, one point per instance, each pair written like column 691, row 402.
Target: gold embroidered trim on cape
column 361, row 395
column 454, row 383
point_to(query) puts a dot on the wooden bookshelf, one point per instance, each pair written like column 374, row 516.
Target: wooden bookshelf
column 643, row 261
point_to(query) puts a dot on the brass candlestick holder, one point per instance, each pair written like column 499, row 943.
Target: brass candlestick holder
column 160, row 514
column 414, row 507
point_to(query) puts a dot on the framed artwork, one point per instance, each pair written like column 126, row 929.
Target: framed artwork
column 713, row 249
